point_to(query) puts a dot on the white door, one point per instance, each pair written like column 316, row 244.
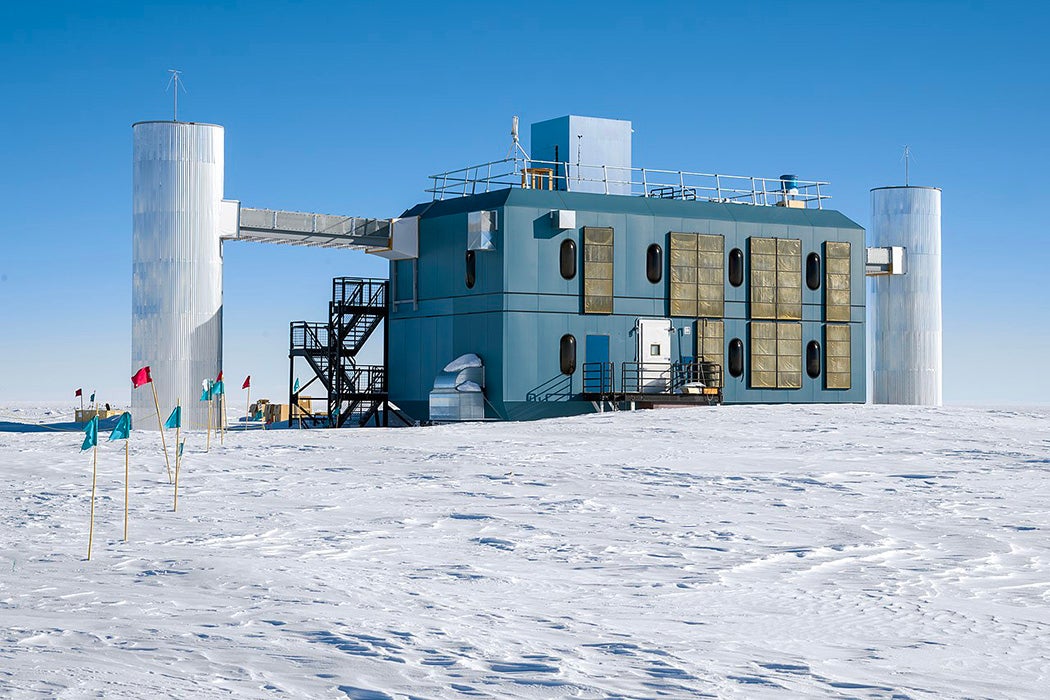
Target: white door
column 654, row 355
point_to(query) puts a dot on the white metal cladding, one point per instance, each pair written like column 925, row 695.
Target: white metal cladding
column 176, row 325
column 906, row 309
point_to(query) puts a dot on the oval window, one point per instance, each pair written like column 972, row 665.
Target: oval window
column 567, row 258
column 813, row 359
column 736, row 357
column 736, row 267
column 654, row 263
column 813, row 272
column 567, row 354
column 472, row 268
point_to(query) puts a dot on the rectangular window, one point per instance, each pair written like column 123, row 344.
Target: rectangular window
column 763, row 355
column 789, row 355
column 710, row 342
column 776, row 278
column 789, row 279
column 597, row 270
column 836, row 281
column 697, row 275
column 683, row 274
column 837, row 366
column 710, row 276
column 763, row 266
column 776, row 355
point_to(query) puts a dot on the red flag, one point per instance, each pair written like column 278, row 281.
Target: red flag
column 219, row 378
column 79, row 393
column 141, row 377
column 247, row 382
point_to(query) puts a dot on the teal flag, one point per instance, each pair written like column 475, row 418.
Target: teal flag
column 218, row 389
column 92, row 397
column 175, row 419
column 295, row 389
column 181, row 445
column 92, row 434
column 205, row 390
column 123, row 429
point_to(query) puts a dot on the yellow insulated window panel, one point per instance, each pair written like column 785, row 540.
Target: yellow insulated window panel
column 763, row 266
column 683, row 274
column 837, row 367
column 836, row 281
column 789, row 355
column 710, row 342
column 776, row 278
column 597, row 270
column 763, row 355
column 710, row 276
column 697, row 275
column 789, row 279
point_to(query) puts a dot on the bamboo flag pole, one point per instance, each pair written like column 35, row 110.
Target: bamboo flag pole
column 222, row 416
column 208, row 446
column 94, row 475
column 160, row 426
column 178, row 462
column 248, row 408
column 127, row 460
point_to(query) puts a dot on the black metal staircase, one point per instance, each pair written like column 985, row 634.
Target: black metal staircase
column 355, row 394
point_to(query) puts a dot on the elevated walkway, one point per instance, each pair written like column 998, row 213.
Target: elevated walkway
column 302, row 228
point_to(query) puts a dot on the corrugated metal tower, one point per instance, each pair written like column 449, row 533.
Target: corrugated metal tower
column 176, row 325
column 906, row 309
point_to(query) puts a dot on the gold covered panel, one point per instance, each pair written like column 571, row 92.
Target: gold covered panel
column 837, row 356
column 683, row 307
column 598, row 256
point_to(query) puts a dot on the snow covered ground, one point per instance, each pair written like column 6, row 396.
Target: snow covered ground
column 740, row 552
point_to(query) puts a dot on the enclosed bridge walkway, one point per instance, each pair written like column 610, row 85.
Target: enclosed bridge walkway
column 353, row 393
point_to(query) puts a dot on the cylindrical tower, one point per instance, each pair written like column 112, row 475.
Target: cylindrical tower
column 906, row 308
column 176, row 326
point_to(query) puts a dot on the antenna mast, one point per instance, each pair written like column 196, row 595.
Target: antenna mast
column 176, row 80
column 907, row 162
column 515, row 144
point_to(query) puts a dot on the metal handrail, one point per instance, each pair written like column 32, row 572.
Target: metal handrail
column 598, row 375
column 662, row 378
column 641, row 182
column 309, row 336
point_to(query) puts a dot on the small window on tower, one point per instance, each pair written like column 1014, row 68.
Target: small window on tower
column 736, row 357
column 813, row 359
column 813, row 271
column 654, row 263
column 567, row 354
column 472, row 268
column 736, row 267
column 567, row 259
column 654, row 350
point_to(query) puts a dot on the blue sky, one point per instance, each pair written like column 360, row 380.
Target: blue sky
column 346, row 108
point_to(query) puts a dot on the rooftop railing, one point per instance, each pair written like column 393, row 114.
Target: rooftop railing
column 526, row 173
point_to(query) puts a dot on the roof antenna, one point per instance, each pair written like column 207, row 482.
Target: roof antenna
column 579, row 156
column 907, row 162
column 177, row 81
column 515, row 145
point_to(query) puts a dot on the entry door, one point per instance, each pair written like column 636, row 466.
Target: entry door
column 597, row 379
column 654, row 355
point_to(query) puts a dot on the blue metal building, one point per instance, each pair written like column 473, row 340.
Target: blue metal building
column 695, row 286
